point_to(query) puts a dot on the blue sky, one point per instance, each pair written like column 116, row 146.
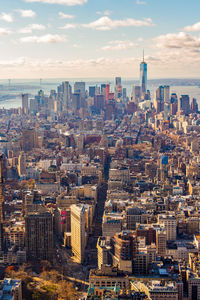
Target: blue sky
column 99, row 38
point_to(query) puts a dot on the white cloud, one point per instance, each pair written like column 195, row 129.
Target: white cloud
column 105, row 12
column 178, row 40
column 193, row 28
column 69, row 26
column 119, row 45
column 27, row 13
column 6, row 17
column 140, row 2
column 5, row 31
column 177, row 55
column 61, row 2
column 31, row 27
column 44, row 39
column 105, row 23
column 65, row 16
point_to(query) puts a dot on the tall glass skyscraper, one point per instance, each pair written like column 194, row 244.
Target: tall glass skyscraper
column 143, row 76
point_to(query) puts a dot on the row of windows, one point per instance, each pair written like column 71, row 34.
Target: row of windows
column 109, row 283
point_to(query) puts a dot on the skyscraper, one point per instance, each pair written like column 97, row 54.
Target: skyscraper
column 161, row 97
column 76, row 101
column 21, row 164
column 184, row 104
column 143, row 76
column 118, row 87
column 194, row 106
column 107, row 91
column 136, row 93
column 66, row 94
column 29, row 139
column 118, row 81
column 25, row 103
column 78, row 231
column 79, row 87
column 39, row 235
column 92, row 90
column 103, row 88
column 166, row 93
column 99, row 103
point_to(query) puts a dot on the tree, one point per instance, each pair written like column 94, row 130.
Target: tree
column 66, row 291
column 10, row 269
column 40, row 295
column 46, row 265
column 31, row 183
column 53, row 276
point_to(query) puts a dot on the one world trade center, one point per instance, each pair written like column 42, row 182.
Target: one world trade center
column 143, row 76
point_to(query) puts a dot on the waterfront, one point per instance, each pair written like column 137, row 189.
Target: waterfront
column 31, row 87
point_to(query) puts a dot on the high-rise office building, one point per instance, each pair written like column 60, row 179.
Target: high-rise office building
column 174, row 104
column 161, row 241
column 76, row 101
column 118, row 81
column 143, row 76
column 107, row 91
column 162, row 97
column 97, row 90
column 29, row 139
column 21, row 164
column 32, row 202
column 169, row 221
column 66, row 94
column 25, row 106
column 39, row 235
column 110, row 110
column 136, row 93
column 103, row 87
column 131, row 108
column 124, row 94
column 194, row 106
column 92, row 91
column 79, row 87
column 78, row 231
column 118, row 88
column 104, row 251
column 184, row 104
column 166, row 93
column 125, row 248
column 99, row 103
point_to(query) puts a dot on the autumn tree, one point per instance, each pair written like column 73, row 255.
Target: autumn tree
column 66, row 291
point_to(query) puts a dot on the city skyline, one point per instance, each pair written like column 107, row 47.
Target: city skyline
column 92, row 38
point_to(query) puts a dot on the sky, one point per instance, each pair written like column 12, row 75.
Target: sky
column 99, row 38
